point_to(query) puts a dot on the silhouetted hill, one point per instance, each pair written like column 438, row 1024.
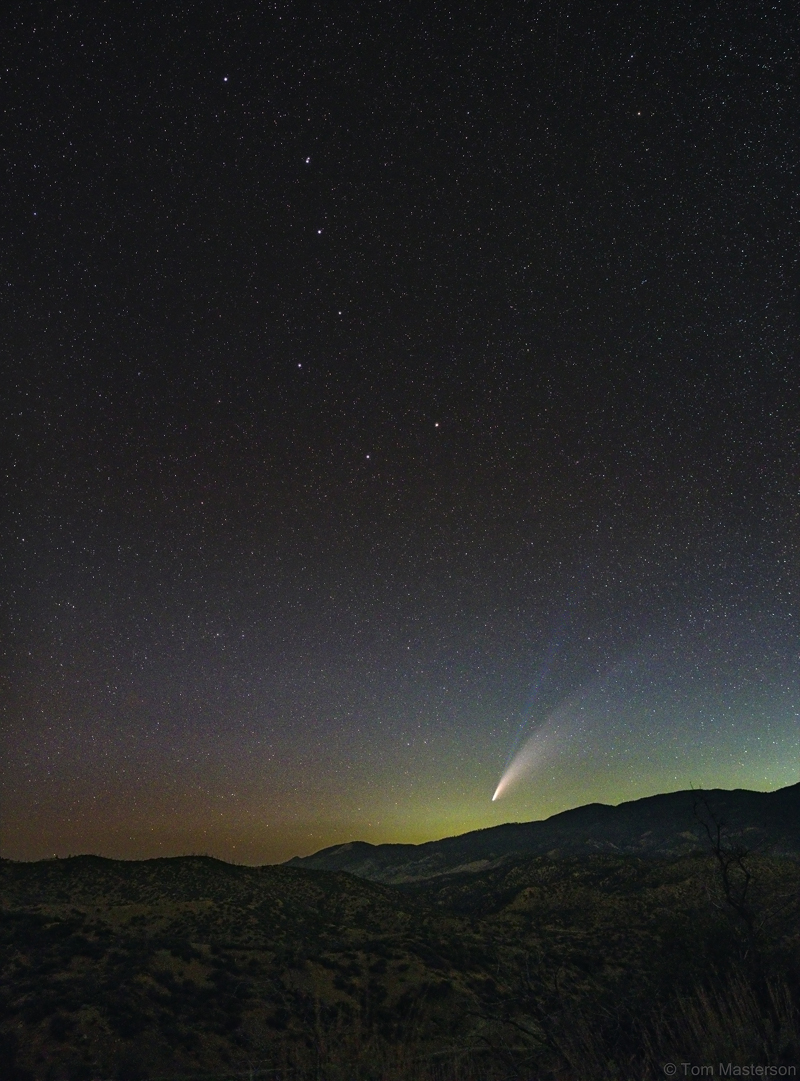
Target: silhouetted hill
column 663, row 825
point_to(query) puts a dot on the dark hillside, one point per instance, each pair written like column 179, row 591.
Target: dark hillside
column 190, row 964
column 191, row 967
column 252, row 906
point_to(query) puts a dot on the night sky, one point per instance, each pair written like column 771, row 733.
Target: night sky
column 390, row 388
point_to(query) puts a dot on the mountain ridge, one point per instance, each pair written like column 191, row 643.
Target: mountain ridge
column 665, row 824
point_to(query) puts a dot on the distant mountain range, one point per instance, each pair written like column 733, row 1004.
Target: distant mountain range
column 663, row 825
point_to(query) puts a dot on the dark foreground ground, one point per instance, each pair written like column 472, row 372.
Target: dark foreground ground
column 571, row 968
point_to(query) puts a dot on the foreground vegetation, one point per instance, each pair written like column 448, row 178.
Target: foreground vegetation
column 591, row 968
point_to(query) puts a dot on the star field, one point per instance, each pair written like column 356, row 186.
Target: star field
column 385, row 384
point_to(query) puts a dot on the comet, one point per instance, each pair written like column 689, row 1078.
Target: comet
column 570, row 724
column 542, row 675
column 523, row 762
column 533, row 753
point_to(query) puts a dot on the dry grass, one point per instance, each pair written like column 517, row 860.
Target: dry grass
column 742, row 1020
